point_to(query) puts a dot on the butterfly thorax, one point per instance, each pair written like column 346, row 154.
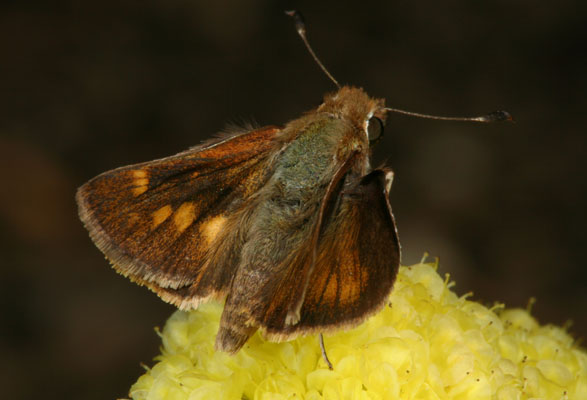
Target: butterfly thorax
column 287, row 206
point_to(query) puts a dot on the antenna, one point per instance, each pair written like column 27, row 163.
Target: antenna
column 495, row 116
column 301, row 28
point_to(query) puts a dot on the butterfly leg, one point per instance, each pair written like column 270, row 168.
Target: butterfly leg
column 324, row 355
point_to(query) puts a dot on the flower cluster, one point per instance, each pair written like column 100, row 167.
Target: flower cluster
column 428, row 343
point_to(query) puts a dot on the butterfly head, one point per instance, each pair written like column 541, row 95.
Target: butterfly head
column 351, row 104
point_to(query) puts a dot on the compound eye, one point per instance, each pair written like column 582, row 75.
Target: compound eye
column 374, row 129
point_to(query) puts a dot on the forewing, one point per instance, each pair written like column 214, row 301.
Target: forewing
column 157, row 222
column 357, row 260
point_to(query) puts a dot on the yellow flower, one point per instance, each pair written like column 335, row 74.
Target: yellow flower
column 427, row 344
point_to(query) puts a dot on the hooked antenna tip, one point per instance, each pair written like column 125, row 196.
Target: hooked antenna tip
column 497, row 116
column 298, row 20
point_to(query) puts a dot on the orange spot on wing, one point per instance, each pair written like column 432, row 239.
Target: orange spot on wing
column 139, row 190
column 212, row 227
column 139, row 173
column 184, row 216
column 161, row 215
column 350, row 274
column 140, row 181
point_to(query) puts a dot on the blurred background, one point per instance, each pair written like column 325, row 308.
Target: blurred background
column 90, row 86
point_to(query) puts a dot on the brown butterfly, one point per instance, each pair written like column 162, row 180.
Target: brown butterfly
column 290, row 224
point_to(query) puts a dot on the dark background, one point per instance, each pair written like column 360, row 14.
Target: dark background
column 89, row 86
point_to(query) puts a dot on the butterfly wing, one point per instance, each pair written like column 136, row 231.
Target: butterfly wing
column 356, row 263
column 159, row 222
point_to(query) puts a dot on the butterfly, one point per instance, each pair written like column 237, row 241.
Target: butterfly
column 290, row 225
